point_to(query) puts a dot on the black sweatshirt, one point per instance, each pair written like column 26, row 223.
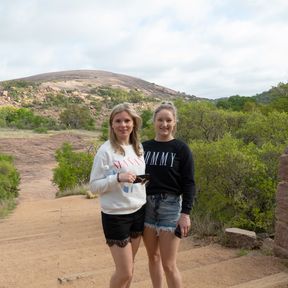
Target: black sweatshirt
column 171, row 168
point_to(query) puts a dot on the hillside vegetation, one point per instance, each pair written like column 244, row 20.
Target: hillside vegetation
column 275, row 98
column 51, row 94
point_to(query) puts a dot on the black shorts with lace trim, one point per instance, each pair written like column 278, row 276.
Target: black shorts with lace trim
column 119, row 229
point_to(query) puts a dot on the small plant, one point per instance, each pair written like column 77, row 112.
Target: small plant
column 73, row 168
column 204, row 225
column 41, row 130
column 9, row 183
column 6, row 206
column 76, row 190
column 242, row 252
column 9, row 178
column 77, row 117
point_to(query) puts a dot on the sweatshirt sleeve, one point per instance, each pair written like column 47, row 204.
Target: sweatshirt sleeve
column 99, row 182
column 188, row 182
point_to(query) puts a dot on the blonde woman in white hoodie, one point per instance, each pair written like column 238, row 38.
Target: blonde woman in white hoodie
column 116, row 166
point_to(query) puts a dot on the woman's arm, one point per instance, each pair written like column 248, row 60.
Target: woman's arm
column 102, row 178
column 187, row 179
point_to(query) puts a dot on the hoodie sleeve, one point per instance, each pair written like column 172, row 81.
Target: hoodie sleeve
column 188, row 182
column 102, row 179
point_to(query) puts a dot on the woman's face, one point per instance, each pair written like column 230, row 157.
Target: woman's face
column 164, row 124
column 122, row 125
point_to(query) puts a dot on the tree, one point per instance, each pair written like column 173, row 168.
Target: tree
column 260, row 128
column 77, row 117
column 200, row 120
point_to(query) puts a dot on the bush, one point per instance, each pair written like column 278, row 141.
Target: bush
column 77, row 117
column 9, row 178
column 235, row 185
column 73, row 168
column 6, row 206
column 261, row 128
column 61, row 100
column 9, row 85
column 114, row 96
column 23, row 118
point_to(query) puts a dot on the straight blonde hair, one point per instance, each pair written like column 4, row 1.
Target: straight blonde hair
column 134, row 138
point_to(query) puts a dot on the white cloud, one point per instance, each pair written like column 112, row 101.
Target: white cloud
column 208, row 48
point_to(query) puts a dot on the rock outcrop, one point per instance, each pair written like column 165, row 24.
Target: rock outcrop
column 281, row 229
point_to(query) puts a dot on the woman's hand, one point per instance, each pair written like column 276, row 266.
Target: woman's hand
column 128, row 177
column 185, row 224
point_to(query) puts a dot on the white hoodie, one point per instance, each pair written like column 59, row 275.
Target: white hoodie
column 115, row 197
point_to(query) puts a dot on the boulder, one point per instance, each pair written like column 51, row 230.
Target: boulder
column 240, row 238
column 281, row 211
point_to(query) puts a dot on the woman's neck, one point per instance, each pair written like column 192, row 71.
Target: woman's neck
column 123, row 142
column 163, row 139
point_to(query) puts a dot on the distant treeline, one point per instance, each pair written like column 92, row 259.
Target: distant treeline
column 274, row 99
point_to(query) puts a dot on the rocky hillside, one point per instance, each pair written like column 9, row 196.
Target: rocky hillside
column 84, row 80
column 82, row 83
column 50, row 93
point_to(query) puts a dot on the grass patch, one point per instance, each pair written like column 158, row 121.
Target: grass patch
column 242, row 252
column 77, row 190
column 6, row 207
column 204, row 226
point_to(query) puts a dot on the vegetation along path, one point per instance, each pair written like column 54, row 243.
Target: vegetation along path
column 48, row 242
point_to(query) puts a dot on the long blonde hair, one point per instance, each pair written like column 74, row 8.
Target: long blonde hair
column 134, row 136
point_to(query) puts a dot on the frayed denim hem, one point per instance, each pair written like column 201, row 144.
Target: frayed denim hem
column 160, row 228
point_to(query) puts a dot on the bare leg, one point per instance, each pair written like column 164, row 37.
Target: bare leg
column 169, row 244
column 151, row 242
column 135, row 243
column 123, row 259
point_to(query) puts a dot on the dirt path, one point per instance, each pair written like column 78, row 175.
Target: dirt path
column 48, row 242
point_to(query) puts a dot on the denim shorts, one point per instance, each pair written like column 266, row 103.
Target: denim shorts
column 119, row 229
column 162, row 211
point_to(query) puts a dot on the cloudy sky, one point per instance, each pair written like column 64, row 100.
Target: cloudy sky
column 207, row 48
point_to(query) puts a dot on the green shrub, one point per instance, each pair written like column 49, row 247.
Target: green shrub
column 8, row 85
column 77, row 117
column 114, row 96
column 9, row 178
column 73, row 168
column 23, row 118
column 61, row 100
column 41, row 130
column 234, row 184
column 6, row 206
column 260, row 128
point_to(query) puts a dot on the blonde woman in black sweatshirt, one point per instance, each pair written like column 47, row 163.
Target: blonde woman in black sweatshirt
column 170, row 194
